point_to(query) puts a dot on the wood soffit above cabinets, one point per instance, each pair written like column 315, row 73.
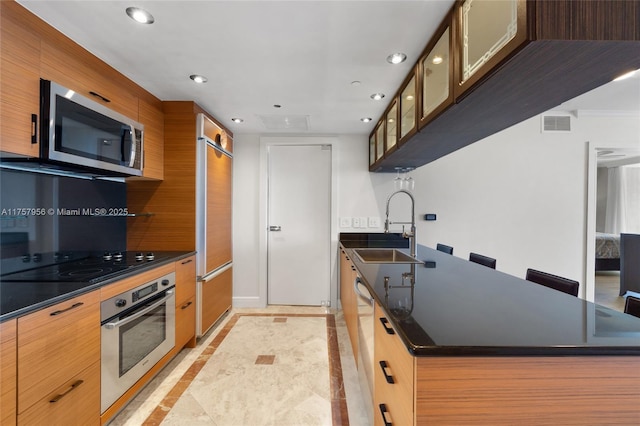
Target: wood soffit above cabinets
column 557, row 61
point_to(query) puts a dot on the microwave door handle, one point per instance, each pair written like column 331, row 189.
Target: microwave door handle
column 134, row 141
column 112, row 325
column 131, row 157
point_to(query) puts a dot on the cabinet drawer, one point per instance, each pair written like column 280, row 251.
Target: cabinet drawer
column 216, row 298
column 185, row 279
column 55, row 344
column 185, row 322
column 75, row 402
column 393, row 362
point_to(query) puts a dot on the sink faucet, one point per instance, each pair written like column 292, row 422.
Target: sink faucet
column 411, row 235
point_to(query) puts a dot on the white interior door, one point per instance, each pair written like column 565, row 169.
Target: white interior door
column 299, row 221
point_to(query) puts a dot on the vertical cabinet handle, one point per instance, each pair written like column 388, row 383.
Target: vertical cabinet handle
column 34, row 128
column 61, row 395
column 386, row 327
column 389, row 377
column 384, row 412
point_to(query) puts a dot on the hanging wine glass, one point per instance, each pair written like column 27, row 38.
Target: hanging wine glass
column 409, row 183
column 398, row 181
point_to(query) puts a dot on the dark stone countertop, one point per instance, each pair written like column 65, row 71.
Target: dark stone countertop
column 18, row 298
column 459, row 308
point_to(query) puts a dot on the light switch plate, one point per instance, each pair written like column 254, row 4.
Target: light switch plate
column 355, row 222
column 363, row 222
column 374, row 222
column 345, row 222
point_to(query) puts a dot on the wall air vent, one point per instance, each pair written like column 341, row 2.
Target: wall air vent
column 556, row 123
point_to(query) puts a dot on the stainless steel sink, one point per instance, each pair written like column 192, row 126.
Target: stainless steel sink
column 384, row 256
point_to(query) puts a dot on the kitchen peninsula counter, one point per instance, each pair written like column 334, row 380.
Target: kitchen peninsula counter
column 459, row 308
column 19, row 298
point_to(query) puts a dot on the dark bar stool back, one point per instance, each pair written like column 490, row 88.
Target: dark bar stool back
column 553, row 281
column 632, row 306
column 489, row 262
column 444, row 248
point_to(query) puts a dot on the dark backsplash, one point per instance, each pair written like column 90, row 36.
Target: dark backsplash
column 43, row 213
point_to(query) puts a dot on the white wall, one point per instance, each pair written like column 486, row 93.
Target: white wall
column 519, row 196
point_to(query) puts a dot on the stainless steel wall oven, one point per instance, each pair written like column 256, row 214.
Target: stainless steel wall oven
column 138, row 329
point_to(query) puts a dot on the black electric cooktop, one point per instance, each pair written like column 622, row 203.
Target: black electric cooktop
column 79, row 267
column 40, row 278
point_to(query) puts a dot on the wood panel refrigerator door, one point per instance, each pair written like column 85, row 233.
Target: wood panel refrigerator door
column 299, row 224
column 218, row 209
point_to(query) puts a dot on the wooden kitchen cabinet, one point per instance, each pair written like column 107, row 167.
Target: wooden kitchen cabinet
column 487, row 32
column 8, row 383
column 348, row 300
column 186, row 303
column 436, row 70
column 217, row 295
column 150, row 115
column 391, row 126
column 58, row 357
column 393, row 375
column 408, row 108
column 20, row 81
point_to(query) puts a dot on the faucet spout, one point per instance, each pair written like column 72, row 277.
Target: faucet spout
column 411, row 235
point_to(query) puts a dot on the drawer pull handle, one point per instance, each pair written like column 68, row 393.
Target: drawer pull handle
column 388, row 329
column 187, row 261
column 62, row 311
column 72, row 387
column 34, row 128
column 99, row 96
column 384, row 412
column 185, row 306
column 389, row 377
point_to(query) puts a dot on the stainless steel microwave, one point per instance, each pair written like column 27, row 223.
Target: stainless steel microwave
column 78, row 131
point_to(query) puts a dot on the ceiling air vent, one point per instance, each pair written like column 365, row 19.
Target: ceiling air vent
column 556, row 123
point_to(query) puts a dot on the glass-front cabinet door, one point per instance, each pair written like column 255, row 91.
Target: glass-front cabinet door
column 391, row 123
column 489, row 31
column 437, row 85
column 380, row 140
column 408, row 110
column 372, row 148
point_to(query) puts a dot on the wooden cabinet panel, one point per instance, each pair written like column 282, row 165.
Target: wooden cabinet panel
column 20, row 81
column 186, row 324
column 219, row 175
column 68, row 64
column 186, row 302
column 348, row 300
column 397, row 397
column 8, row 372
column 216, row 298
column 114, row 289
column 75, row 402
column 152, row 117
column 54, row 345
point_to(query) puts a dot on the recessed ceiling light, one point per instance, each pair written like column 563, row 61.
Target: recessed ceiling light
column 365, row 119
column 626, row 75
column 355, row 83
column 237, row 120
column 377, row 96
column 140, row 15
column 198, row 78
column 437, row 60
column 396, row 58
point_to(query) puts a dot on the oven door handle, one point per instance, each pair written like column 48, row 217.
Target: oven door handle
column 112, row 325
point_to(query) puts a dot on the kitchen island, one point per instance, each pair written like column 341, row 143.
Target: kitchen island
column 485, row 347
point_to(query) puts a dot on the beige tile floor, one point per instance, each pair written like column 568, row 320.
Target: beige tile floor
column 264, row 372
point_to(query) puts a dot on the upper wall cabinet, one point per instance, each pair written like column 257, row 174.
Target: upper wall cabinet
column 488, row 32
column 408, row 109
column 494, row 63
column 436, row 68
column 391, row 123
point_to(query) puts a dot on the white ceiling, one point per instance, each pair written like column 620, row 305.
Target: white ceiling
column 302, row 55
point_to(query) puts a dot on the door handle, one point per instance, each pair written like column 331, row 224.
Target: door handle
column 275, row 228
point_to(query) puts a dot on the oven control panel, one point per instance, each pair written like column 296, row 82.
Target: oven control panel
column 124, row 301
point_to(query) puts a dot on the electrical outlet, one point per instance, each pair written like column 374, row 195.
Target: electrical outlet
column 345, row 222
column 374, row 222
column 355, row 222
column 363, row 222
